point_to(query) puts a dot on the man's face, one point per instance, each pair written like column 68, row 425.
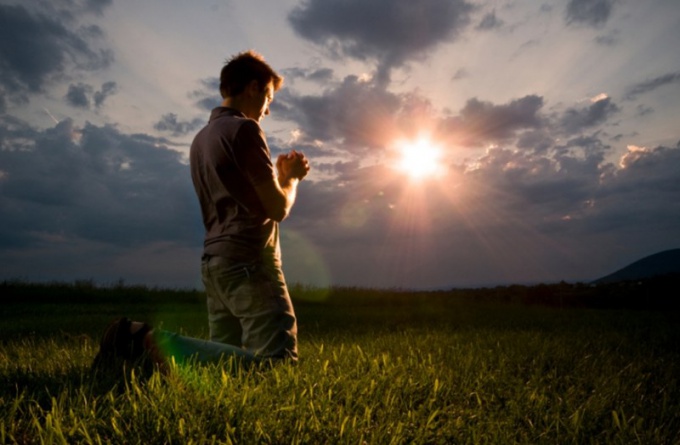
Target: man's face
column 259, row 100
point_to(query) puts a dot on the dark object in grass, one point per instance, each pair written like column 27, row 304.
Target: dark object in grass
column 120, row 349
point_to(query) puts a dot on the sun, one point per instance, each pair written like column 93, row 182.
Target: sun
column 419, row 159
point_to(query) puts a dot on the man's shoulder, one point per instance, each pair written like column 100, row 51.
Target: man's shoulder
column 224, row 115
column 229, row 120
column 222, row 112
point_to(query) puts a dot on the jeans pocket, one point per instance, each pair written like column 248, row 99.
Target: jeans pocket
column 253, row 296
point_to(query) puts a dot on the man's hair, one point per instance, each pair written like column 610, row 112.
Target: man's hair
column 242, row 69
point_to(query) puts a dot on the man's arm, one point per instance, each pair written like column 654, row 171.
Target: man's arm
column 278, row 196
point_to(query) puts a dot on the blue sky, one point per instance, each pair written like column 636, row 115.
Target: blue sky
column 556, row 121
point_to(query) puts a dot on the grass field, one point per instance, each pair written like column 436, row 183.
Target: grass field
column 383, row 367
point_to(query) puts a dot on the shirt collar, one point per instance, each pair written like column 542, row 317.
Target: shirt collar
column 225, row 111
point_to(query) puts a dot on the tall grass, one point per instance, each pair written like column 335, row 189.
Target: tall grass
column 432, row 371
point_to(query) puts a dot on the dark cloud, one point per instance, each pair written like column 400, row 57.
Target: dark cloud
column 531, row 43
column 610, row 39
column 591, row 142
column 82, row 95
column 93, row 198
column 291, row 74
column 356, row 113
column 97, row 6
column 208, row 103
column 592, row 13
column 78, row 95
column 69, row 9
column 480, row 122
column 389, row 32
column 652, row 84
column 461, row 73
column 108, row 89
column 35, row 49
column 93, row 184
column 319, row 75
column 575, row 120
column 553, row 195
column 642, row 110
column 538, row 188
column 518, row 213
column 537, row 140
column 642, row 194
column 170, row 124
column 489, row 22
column 590, row 146
column 207, row 96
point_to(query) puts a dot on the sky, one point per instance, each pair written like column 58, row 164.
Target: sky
column 552, row 131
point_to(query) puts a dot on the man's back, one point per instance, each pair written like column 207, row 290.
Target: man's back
column 229, row 157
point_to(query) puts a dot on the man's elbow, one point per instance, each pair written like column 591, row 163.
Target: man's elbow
column 279, row 211
column 276, row 203
column 278, row 215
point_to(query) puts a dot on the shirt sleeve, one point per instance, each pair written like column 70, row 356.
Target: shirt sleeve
column 252, row 155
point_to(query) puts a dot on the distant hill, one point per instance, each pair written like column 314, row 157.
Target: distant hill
column 662, row 263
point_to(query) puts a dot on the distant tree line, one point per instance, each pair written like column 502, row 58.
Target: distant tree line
column 658, row 293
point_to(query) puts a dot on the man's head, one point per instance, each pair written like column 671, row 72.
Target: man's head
column 248, row 82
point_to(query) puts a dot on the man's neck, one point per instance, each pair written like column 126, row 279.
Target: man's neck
column 232, row 102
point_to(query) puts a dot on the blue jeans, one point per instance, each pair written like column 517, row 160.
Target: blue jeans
column 184, row 349
column 250, row 308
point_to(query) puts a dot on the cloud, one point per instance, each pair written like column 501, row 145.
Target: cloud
column 481, row 122
column 575, row 120
column 208, row 95
column 489, row 22
column 652, row 84
column 97, row 6
column 537, row 140
column 355, row 113
column 170, row 124
column 82, row 95
column 69, row 9
column 509, row 210
column 461, row 73
column 360, row 115
column 593, row 13
column 537, row 188
column 92, row 184
column 94, row 198
column 78, row 95
column 642, row 110
column 641, row 193
column 389, row 32
column 609, row 39
column 37, row 48
column 524, row 47
column 319, row 75
column 108, row 89
column 515, row 212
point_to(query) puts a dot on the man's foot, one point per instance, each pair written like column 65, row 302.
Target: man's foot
column 148, row 343
column 127, row 343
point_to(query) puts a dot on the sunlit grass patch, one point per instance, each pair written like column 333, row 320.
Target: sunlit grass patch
column 378, row 374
